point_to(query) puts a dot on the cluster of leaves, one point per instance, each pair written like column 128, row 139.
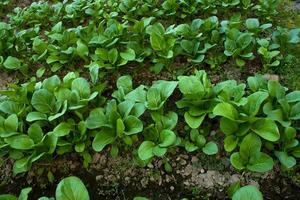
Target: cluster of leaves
column 118, row 32
column 38, row 119
column 71, row 188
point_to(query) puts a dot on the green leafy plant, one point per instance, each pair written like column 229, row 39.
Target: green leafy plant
column 118, row 122
column 249, row 192
column 270, row 55
column 239, row 46
column 198, row 98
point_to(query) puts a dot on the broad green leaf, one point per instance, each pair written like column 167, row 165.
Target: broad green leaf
column 285, row 159
column 21, row 165
column 12, row 63
column 35, row 116
column 189, row 85
column 133, row 125
column 154, row 100
column 250, row 147
column 226, row 110
column 276, row 90
column 157, row 41
column 51, row 83
column 256, row 82
column 44, row 101
column 293, row 96
column 96, row 119
column 236, row 161
column 252, row 23
column 62, row 129
column 249, row 192
column 230, row 143
column 254, row 102
column 11, row 123
column 261, row 164
column 193, row 122
column 167, row 138
column 21, row 142
column 159, row 151
column 267, row 129
column 244, row 40
column 11, row 107
column 145, row 150
column 113, row 56
column 82, row 49
column 166, row 88
column 82, row 87
column 228, row 126
column 125, row 107
column 24, row 193
column 35, row 132
column 103, row 138
column 210, row 148
column 190, row 147
column 128, row 55
column 295, row 111
column 125, row 83
column 71, row 188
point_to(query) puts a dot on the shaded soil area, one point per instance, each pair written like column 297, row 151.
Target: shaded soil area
column 194, row 177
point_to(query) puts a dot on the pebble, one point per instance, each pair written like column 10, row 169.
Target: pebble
column 194, row 159
column 183, row 162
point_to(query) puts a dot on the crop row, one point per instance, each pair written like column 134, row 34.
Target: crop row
column 107, row 35
column 257, row 121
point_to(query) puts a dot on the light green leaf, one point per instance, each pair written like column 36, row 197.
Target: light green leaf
column 230, row 143
column 285, row 159
column 210, row 148
column 71, row 188
column 167, row 138
column 267, row 129
column 250, row 147
column 96, row 119
column 12, row 63
column 226, row 110
column 11, row 123
column 293, row 96
column 128, row 55
column 193, row 122
column 21, row 142
column 103, row 138
column 24, row 193
column 62, row 129
column 261, row 164
column 249, row 192
column 236, row 161
column 113, row 56
column 145, row 150
column 82, row 49
column 82, row 87
column 189, row 85
column 44, row 101
column 35, row 132
column 133, row 125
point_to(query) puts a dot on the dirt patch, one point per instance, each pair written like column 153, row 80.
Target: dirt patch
column 193, row 177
